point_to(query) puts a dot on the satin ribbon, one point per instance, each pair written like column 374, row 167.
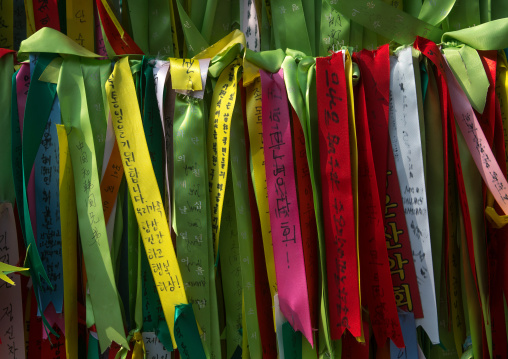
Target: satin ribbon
column 409, row 163
column 103, row 290
column 46, row 14
column 47, row 195
column 281, row 187
column 7, row 192
column 254, row 121
column 374, row 260
column 307, row 218
column 68, row 219
column 262, row 288
column 80, row 22
column 240, row 183
column 223, row 101
column 120, row 42
column 231, row 274
column 193, row 241
column 146, row 201
column 338, row 212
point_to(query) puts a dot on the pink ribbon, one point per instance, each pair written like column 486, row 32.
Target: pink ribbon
column 283, row 204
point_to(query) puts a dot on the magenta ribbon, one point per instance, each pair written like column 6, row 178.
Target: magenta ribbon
column 283, row 204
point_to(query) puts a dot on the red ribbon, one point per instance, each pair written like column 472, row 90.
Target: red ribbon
column 374, row 266
column 46, row 14
column 307, row 218
column 121, row 46
column 338, row 211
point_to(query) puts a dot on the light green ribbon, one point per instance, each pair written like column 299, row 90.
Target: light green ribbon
column 239, row 183
column 103, row 292
column 434, row 12
column 50, row 40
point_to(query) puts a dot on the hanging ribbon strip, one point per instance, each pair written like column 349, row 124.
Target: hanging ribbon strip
column 224, row 98
column 405, row 139
column 284, row 218
column 338, row 213
column 144, row 192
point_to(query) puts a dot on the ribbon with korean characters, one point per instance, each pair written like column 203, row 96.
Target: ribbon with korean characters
column 45, row 14
column 40, row 96
column 255, row 128
column 338, row 212
column 283, row 204
column 48, row 229
column 374, row 262
column 191, row 201
column 376, row 84
column 80, row 22
column 223, row 101
column 454, row 144
column 7, row 28
column 144, row 191
column 261, row 270
column 305, row 186
column 101, row 282
column 405, row 139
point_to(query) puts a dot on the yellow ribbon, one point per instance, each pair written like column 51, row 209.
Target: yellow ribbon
column 68, row 220
column 144, row 191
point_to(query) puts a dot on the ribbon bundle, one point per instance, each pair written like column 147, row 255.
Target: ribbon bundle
column 292, row 179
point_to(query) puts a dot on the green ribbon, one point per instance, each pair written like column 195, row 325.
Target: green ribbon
column 290, row 27
column 194, row 246
column 292, row 342
column 7, row 192
column 386, row 20
column 195, row 41
column 103, row 292
column 98, row 118
column 335, row 29
column 459, row 48
column 434, row 12
column 186, row 333
column 50, row 40
column 139, row 17
column 270, row 61
column 160, row 41
column 210, row 14
column 152, row 123
column 239, row 173
column 231, row 272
